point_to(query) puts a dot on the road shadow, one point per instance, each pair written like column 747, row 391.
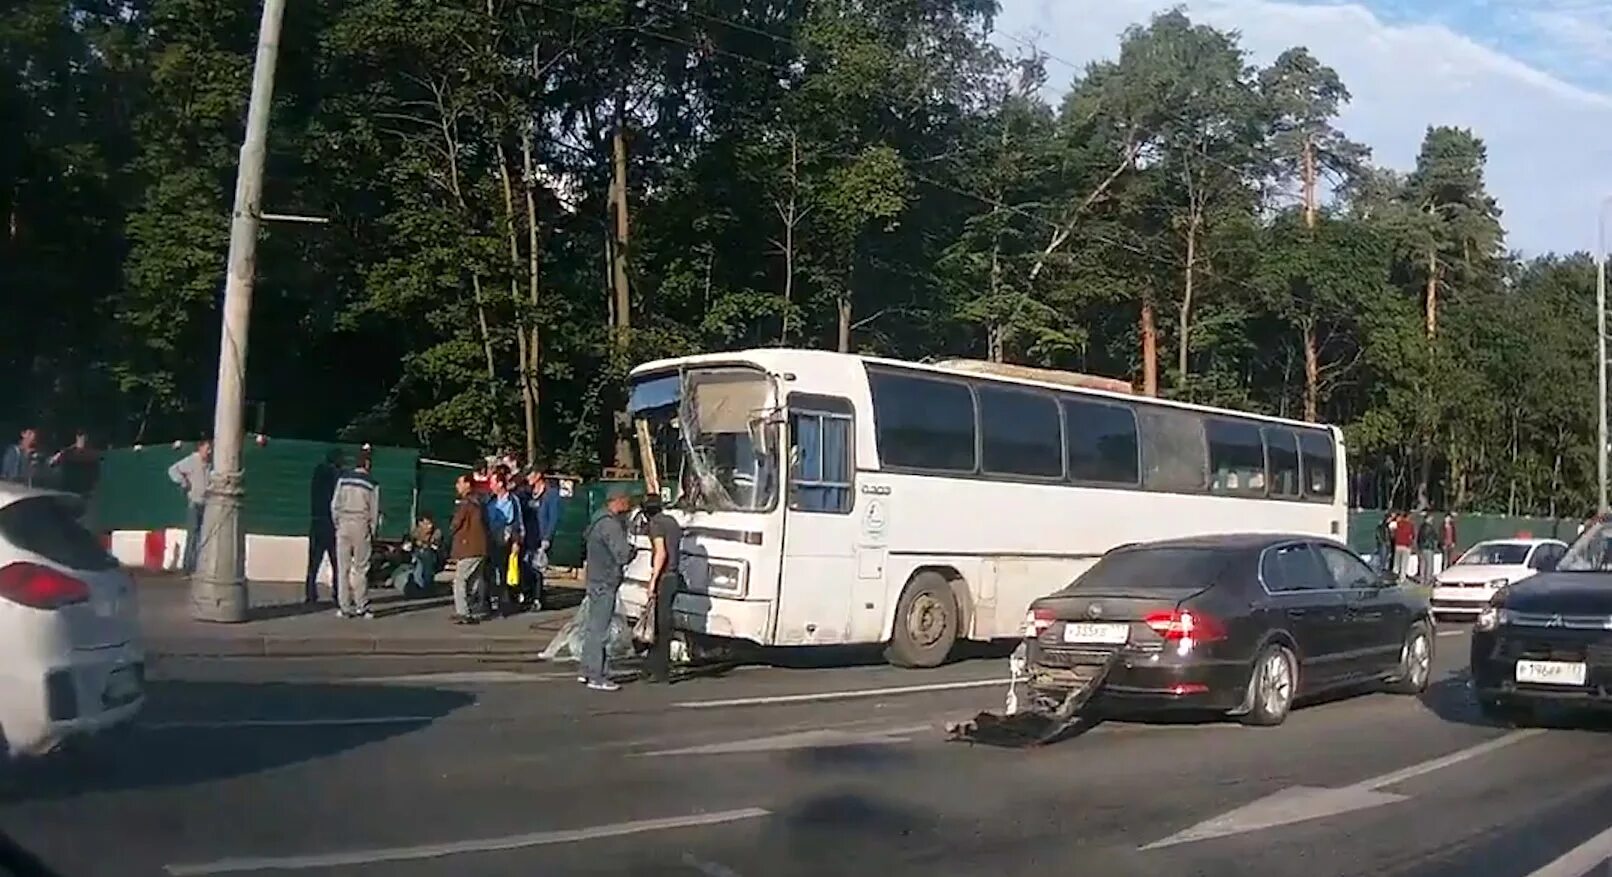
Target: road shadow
column 829, row 657
column 196, row 732
column 1452, row 700
column 268, row 611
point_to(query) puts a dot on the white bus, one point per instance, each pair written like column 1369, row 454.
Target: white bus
column 837, row 499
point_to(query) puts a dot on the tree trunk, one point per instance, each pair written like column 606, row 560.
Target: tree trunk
column 1312, row 372
column 994, row 329
column 1150, row 349
column 534, row 341
column 789, row 215
column 523, row 360
column 1183, row 348
column 1432, row 293
column 450, row 139
column 618, row 191
column 1308, row 157
column 845, row 322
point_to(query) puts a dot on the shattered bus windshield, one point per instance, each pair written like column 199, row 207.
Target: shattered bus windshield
column 709, row 434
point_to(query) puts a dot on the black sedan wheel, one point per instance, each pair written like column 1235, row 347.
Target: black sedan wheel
column 1272, row 687
column 1415, row 661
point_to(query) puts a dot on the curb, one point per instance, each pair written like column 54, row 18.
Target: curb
column 303, row 647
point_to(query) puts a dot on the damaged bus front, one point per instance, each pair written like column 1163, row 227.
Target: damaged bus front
column 708, row 439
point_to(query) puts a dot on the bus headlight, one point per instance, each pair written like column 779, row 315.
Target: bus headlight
column 728, row 577
column 1497, row 584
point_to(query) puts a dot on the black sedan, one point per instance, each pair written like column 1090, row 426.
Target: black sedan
column 1548, row 638
column 1240, row 624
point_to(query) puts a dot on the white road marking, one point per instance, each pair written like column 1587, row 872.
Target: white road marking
column 837, row 695
column 285, row 723
column 1581, row 860
column 1443, row 761
column 493, row 844
column 1303, row 803
column 818, row 738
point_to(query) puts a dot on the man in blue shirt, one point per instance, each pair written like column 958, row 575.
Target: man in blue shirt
column 540, row 508
column 504, row 532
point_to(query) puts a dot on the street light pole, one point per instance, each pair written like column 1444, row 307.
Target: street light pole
column 218, row 586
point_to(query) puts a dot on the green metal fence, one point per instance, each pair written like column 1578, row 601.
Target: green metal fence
column 1469, row 528
column 135, row 493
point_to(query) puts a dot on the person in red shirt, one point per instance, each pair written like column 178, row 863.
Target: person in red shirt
column 1404, row 543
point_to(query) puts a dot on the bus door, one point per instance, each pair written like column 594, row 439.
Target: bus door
column 820, row 528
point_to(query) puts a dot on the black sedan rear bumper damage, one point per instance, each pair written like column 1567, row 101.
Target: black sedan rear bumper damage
column 1142, row 680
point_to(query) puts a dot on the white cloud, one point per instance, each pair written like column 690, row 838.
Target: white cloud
column 1550, row 142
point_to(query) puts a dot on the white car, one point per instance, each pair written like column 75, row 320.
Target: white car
column 71, row 661
column 1464, row 588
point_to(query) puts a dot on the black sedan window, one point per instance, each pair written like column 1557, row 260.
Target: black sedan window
column 1152, row 569
column 1293, row 568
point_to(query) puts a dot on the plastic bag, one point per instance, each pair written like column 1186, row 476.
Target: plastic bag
column 512, row 570
column 567, row 644
column 643, row 631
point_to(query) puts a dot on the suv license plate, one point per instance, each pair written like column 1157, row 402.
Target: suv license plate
column 1551, row 672
column 1085, row 632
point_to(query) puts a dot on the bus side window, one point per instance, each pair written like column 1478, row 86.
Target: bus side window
column 820, row 462
column 1282, row 453
column 1318, row 459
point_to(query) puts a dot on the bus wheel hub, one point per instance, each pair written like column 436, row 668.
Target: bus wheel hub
column 927, row 620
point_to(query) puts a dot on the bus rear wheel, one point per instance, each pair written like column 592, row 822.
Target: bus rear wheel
column 926, row 623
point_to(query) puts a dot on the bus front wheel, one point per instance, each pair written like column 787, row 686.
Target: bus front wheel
column 926, row 623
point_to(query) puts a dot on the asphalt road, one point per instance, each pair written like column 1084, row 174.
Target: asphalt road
column 419, row 767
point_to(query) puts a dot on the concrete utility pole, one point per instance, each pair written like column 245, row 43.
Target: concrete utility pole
column 1600, row 358
column 218, row 587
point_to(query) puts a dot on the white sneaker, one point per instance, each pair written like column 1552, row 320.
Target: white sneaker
column 342, row 613
column 604, row 685
column 582, row 679
column 366, row 614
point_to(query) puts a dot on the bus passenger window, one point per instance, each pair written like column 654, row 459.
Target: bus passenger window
column 820, row 464
column 1173, row 455
column 1019, row 433
column 1236, row 456
column 1318, row 459
column 1102, row 442
column 1282, row 454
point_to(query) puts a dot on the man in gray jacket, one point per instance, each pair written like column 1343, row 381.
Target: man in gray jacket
column 606, row 550
column 191, row 474
column 355, row 508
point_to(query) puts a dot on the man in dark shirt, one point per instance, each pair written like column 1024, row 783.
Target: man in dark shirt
column 79, row 464
column 666, row 540
column 321, row 526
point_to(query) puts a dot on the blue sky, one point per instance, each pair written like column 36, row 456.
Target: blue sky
column 1533, row 78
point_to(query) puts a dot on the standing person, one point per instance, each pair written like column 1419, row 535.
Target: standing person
column 607, row 551
column 355, row 507
column 542, row 518
column 1404, row 537
column 21, row 460
column 468, row 548
column 322, row 527
column 480, row 481
column 503, row 539
column 666, row 541
column 1447, row 539
column 79, row 464
column 1385, row 542
column 1427, row 542
column 191, row 474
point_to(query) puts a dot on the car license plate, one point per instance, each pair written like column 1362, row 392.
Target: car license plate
column 1084, row 632
column 122, row 686
column 1551, row 672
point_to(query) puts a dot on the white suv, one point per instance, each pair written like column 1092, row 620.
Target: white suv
column 71, row 662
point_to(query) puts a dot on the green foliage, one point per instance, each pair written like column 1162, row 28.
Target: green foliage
column 795, row 171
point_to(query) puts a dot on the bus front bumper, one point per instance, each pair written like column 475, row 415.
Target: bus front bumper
column 722, row 617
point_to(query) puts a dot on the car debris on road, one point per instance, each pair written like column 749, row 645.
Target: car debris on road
column 1032, row 721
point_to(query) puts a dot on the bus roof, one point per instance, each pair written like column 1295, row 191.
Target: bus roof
column 778, row 360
